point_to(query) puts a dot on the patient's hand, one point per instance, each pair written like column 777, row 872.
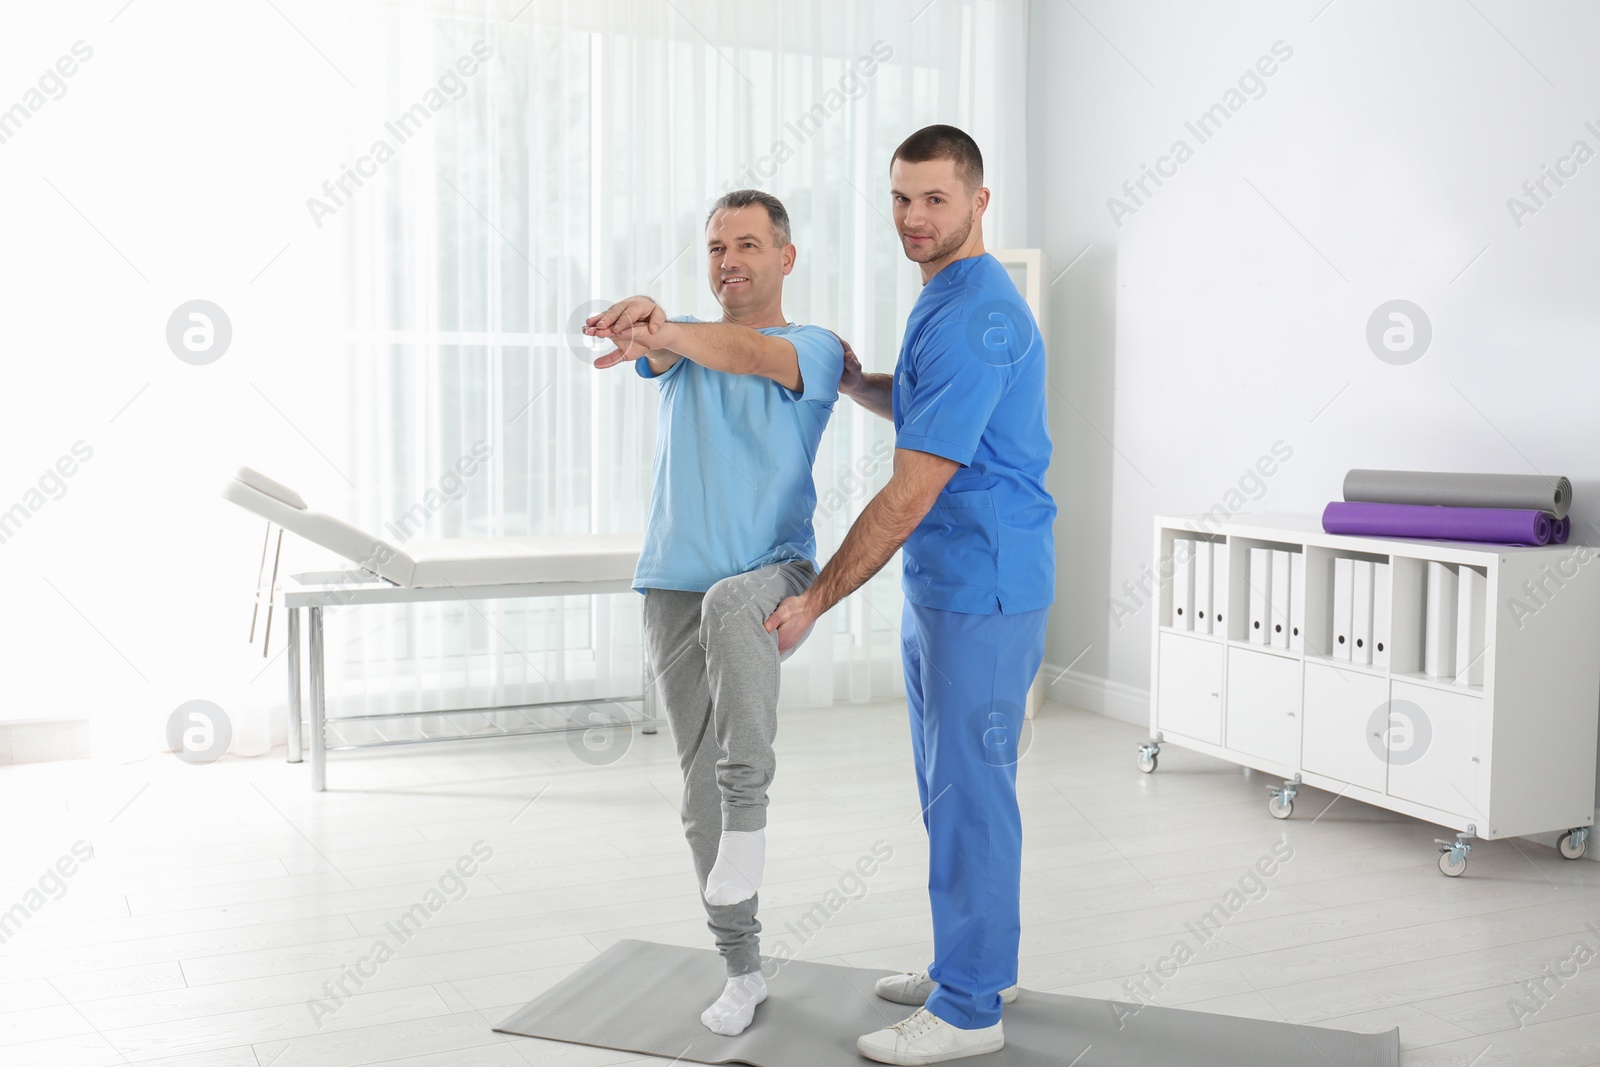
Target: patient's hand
column 632, row 342
column 630, row 325
column 640, row 310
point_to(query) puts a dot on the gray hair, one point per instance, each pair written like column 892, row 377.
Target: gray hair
column 744, row 198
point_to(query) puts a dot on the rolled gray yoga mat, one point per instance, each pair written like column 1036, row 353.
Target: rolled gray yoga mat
column 642, row 997
column 1530, row 492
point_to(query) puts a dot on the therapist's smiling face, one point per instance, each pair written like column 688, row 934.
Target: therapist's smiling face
column 744, row 261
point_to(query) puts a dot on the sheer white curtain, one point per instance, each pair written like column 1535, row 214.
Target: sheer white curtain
column 549, row 157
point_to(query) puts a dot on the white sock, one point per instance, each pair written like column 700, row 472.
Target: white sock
column 737, row 873
column 734, row 1010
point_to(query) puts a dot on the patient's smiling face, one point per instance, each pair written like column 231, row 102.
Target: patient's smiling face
column 746, row 265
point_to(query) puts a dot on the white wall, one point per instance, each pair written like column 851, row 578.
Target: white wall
column 1228, row 312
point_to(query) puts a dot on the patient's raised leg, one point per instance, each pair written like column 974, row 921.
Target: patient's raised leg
column 742, row 671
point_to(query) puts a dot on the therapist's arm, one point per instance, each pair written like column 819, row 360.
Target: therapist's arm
column 871, row 391
column 884, row 525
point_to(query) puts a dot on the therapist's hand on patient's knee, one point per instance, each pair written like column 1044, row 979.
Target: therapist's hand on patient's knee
column 791, row 620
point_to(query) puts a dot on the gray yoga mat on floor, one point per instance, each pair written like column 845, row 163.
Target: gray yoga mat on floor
column 1528, row 492
column 642, row 997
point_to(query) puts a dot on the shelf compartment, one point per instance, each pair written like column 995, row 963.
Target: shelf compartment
column 1189, row 686
column 1434, row 756
column 1242, row 585
column 1319, row 593
column 1170, row 597
column 1263, row 707
column 1340, row 704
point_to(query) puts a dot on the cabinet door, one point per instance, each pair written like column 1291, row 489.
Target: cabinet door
column 1433, row 753
column 1340, row 706
column 1263, row 710
column 1189, row 687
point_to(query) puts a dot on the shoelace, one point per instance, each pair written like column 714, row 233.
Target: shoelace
column 916, row 1024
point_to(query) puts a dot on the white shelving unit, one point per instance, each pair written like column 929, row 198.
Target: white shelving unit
column 1511, row 757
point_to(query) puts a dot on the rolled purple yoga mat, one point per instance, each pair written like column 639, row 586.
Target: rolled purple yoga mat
column 1560, row 530
column 1504, row 526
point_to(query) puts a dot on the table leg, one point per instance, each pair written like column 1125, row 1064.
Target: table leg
column 319, row 739
column 294, row 686
column 648, row 705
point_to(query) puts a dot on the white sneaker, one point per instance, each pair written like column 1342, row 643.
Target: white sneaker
column 915, row 987
column 923, row 1037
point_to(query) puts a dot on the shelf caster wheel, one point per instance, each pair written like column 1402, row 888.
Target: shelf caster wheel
column 1147, row 757
column 1574, row 843
column 1281, row 805
column 1453, row 854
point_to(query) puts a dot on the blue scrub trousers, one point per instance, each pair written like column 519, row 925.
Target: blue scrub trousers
column 967, row 680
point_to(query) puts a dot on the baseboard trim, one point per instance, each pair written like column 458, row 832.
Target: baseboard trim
column 1091, row 693
column 43, row 740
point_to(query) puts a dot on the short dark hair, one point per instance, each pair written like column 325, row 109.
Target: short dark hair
column 744, row 198
column 944, row 142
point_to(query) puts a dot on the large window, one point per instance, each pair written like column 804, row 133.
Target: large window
column 575, row 163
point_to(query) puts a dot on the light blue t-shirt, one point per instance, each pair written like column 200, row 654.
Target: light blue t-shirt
column 732, row 487
column 970, row 386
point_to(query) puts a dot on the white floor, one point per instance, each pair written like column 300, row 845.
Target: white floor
column 220, row 899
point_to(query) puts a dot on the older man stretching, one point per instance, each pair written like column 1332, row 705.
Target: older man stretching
column 743, row 405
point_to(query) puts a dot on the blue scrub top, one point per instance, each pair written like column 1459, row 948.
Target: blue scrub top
column 970, row 386
column 732, row 487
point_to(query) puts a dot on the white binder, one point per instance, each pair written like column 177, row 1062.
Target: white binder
column 1340, row 641
column 1219, row 588
column 1260, row 596
column 1297, row 600
column 1471, row 595
column 1382, row 611
column 1280, row 598
column 1361, row 611
column 1439, row 622
column 1182, row 583
column 1203, row 551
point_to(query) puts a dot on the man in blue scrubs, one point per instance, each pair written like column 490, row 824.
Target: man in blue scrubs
column 968, row 503
column 744, row 402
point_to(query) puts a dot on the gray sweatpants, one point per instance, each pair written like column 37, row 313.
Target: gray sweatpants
column 714, row 667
